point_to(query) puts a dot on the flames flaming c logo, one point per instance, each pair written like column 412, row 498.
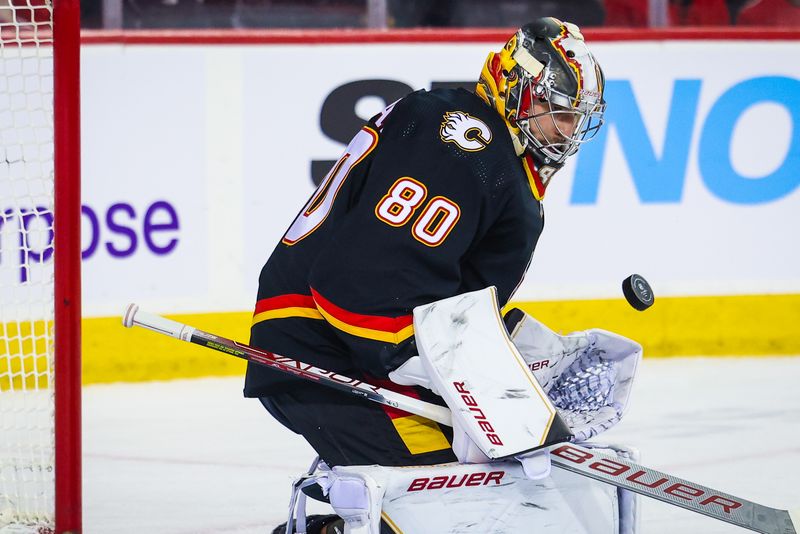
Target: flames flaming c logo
column 467, row 132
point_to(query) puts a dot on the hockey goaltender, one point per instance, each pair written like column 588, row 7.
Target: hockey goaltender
column 394, row 272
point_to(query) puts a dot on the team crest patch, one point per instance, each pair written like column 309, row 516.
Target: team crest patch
column 467, row 132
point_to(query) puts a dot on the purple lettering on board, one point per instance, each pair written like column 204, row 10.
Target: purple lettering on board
column 94, row 233
column 151, row 227
column 117, row 228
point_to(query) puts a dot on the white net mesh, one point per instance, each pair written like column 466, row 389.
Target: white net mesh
column 26, row 266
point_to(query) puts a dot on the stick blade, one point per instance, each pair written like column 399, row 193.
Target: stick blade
column 673, row 490
column 770, row 520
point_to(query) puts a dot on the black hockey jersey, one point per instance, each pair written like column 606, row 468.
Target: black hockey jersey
column 428, row 201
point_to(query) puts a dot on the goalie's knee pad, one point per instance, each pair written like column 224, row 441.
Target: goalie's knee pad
column 475, row 498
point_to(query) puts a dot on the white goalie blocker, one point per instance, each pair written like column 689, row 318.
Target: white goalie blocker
column 499, row 410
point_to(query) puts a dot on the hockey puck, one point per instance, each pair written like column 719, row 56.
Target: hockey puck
column 638, row 292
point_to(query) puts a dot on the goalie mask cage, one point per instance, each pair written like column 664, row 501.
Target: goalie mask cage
column 40, row 453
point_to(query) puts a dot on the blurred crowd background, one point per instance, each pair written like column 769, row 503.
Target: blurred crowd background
column 161, row 14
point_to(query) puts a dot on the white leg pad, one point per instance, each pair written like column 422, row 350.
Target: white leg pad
column 496, row 497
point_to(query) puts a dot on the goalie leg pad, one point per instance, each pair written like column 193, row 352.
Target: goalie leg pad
column 458, row 498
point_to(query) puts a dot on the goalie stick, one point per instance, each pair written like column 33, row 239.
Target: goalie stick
column 582, row 461
column 135, row 317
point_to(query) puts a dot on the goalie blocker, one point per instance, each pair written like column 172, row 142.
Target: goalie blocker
column 467, row 358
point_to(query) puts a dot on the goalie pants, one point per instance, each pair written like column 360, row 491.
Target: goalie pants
column 347, row 430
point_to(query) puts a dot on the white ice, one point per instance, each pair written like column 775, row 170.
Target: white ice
column 193, row 456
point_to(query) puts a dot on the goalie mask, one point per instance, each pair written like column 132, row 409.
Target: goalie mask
column 549, row 89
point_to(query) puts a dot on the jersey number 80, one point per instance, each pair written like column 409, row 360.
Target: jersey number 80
column 396, row 208
column 435, row 221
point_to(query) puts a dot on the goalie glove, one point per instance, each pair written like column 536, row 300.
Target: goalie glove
column 587, row 374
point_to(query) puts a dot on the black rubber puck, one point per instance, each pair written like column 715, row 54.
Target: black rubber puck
column 638, row 292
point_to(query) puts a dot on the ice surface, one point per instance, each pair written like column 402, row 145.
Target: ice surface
column 195, row 457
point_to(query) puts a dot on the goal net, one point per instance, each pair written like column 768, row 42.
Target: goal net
column 28, row 311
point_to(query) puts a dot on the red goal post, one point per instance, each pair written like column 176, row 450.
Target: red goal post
column 67, row 22
column 40, row 290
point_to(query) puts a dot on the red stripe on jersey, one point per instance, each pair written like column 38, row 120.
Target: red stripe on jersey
column 284, row 301
column 372, row 322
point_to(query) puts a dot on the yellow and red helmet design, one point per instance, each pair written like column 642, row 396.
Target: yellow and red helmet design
column 543, row 78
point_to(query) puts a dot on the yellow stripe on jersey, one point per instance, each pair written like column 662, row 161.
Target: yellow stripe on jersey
column 283, row 313
column 420, row 435
column 369, row 333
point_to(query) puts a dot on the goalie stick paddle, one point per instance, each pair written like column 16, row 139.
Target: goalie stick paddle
column 611, row 470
